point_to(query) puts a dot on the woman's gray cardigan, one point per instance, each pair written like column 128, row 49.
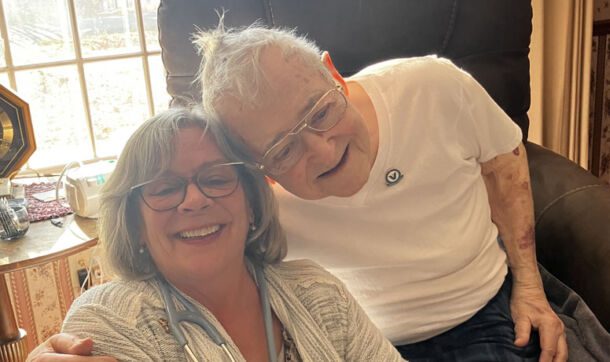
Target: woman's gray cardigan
column 127, row 320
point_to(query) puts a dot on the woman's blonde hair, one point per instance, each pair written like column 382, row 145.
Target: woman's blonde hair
column 146, row 155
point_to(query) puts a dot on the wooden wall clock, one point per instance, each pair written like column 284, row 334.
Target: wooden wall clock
column 16, row 134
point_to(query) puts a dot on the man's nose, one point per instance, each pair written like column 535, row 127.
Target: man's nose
column 320, row 145
column 194, row 199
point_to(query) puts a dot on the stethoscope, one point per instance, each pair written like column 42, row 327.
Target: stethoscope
column 192, row 315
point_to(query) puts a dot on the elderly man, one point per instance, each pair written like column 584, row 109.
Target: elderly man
column 391, row 180
column 406, row 180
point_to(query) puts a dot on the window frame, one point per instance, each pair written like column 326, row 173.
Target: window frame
column 144, row 54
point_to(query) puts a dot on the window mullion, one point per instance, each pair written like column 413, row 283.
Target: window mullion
column 147, row 82
column 8, row 56
column 81, row 74
column 58, row 63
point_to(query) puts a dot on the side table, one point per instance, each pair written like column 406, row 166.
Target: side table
column 43, row 243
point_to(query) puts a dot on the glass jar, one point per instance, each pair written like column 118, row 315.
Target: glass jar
column 14, row 222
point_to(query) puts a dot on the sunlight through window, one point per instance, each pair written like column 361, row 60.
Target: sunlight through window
column 90, row 70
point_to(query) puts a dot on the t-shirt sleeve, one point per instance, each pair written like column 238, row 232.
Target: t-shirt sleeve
column 484, row 129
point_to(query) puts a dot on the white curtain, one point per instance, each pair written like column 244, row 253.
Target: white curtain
column 560, row 64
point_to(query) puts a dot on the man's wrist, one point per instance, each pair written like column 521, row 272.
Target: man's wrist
column 526, row 276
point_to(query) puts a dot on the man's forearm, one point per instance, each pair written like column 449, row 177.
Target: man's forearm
column 510, row 197
column 508, row 185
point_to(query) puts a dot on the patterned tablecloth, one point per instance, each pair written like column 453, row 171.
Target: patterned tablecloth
column 39, row 210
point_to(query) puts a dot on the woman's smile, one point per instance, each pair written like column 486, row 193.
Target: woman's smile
column 207, row 234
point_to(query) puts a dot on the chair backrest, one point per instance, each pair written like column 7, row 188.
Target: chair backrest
column 488, row 38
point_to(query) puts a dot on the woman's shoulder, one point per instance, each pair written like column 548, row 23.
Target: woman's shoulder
column 120, row 296
column 306, row 276
column 127, row 311
column 304, row 269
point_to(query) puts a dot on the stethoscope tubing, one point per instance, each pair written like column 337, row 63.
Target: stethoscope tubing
column 266, row 306
column 192, row 315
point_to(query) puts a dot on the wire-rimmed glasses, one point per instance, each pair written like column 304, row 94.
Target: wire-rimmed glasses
column 286, row 152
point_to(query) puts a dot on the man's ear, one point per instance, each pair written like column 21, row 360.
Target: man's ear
column 328, row 63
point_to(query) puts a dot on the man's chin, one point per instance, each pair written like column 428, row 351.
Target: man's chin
column 337, row 185
column 346, row 192
column 325, row 192
column 307, row 193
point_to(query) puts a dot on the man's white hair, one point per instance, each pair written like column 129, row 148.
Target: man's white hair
column 230, row 62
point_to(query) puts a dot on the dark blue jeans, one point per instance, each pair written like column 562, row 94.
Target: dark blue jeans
column 487, row 336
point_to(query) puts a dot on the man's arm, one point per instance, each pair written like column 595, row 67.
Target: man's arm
column 66, row 347
column 508, row 184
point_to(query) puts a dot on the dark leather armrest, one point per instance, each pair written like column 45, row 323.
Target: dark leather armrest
column 572, row 209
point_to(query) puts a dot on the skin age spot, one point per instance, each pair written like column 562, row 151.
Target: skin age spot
column 525, row 185
column 516, row 151
column 527, row 241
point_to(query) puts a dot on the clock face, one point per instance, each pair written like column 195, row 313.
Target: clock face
column 16, row 135
column 6, row 134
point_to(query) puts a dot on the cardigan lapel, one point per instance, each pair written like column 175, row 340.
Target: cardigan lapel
column 309, row 338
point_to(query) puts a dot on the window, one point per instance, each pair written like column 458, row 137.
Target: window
column 90, row 70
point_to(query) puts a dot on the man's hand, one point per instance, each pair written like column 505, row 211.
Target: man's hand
column 66, row 347
column 530, row 309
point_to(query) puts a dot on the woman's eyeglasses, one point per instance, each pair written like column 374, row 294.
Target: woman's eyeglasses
column 167, row 192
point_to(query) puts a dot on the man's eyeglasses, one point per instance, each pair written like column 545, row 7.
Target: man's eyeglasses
column 287, row 151
column 166, row 193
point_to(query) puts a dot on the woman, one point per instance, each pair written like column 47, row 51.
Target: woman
column 182, row 224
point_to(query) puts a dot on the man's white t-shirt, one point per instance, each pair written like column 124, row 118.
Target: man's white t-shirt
column 421, row 255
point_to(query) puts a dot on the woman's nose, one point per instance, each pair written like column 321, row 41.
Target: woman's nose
column 194, row 199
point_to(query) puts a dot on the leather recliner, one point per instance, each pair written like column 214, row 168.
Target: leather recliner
column 490, row 39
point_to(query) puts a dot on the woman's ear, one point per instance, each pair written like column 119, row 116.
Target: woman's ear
column 328, row 64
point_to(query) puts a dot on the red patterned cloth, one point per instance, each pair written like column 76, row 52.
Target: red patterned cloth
column 39, row 210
